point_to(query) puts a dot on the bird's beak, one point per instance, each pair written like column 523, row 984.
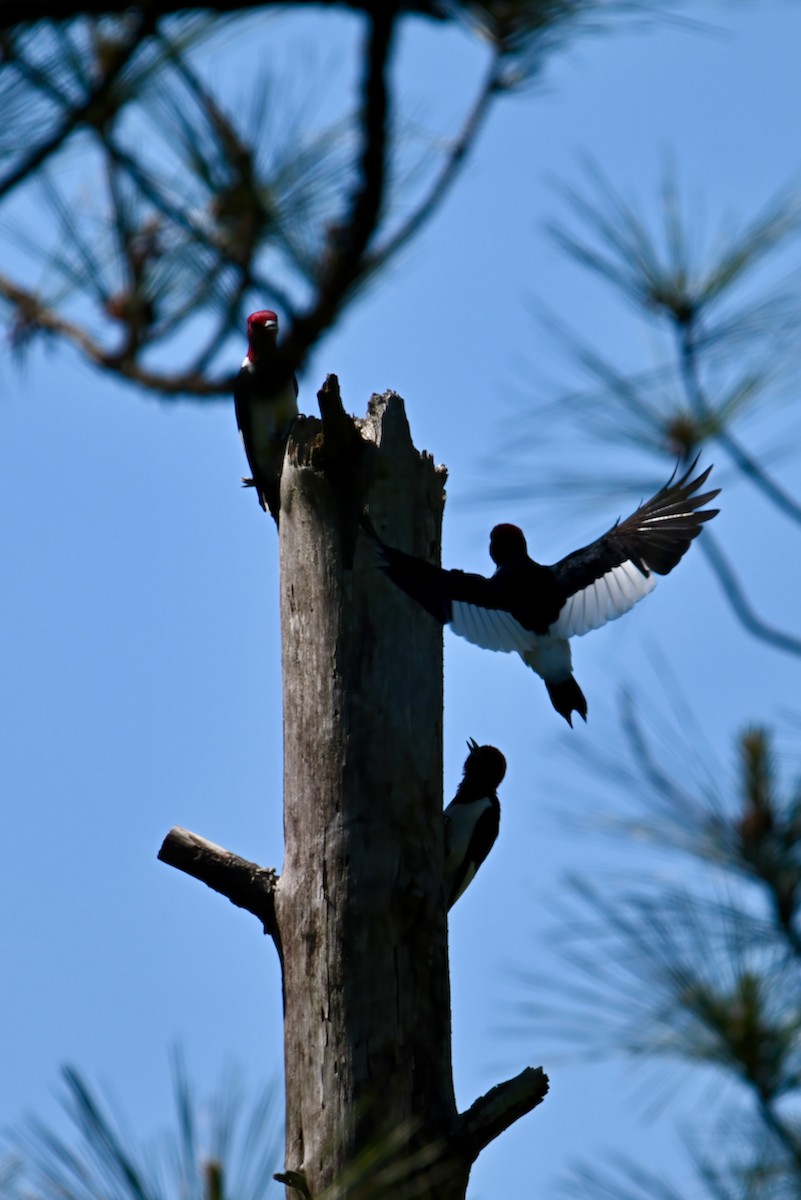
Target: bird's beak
column 472, row 744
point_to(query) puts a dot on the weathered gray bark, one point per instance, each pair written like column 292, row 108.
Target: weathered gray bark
column 360, row 904
column 358, row 914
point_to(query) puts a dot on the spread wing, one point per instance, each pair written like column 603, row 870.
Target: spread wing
column 433, row 588
column 476, row 608
column 491, row 628
column 608, row 577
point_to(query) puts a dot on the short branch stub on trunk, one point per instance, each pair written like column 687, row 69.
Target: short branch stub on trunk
column 499, row 1108
column 245, row 883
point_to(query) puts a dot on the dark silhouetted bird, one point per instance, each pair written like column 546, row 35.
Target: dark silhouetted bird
column 472, row 818
column 535, row 609
column 265, row 399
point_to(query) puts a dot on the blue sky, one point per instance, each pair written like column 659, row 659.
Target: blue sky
column 141, row 656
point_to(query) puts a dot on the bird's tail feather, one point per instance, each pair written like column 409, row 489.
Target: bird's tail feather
column 269, row 493
column 567, row 698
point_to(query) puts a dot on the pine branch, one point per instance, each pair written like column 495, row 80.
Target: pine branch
column 149, row 189
column 90, row 109
column 349, row 241
column 687, row 333
column 24, row 12
column 781, row 1130
column 758, row 476
column 455, row 160
column 343, row 268
column 33, row 314
column 739, row 601
column 149, row 316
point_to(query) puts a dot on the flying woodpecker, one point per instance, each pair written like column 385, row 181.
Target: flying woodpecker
column 266, row 403
column 535, row 609
column 472, row 818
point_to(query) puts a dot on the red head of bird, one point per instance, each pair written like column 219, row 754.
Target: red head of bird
column 262, row 332
column 485, row 765
column 506, row 544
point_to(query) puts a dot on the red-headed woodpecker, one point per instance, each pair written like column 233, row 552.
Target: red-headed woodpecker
column 534, row 609
column 472, row 818
column 266, row 403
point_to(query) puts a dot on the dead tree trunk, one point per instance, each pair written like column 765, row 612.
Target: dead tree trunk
column 358, row 914
column 360, row 904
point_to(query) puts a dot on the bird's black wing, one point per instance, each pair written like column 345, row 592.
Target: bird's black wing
column 246, row 387
column 607, row 578
column 499, row 613
column 264, row 414
column 243, row 408
column 243, row 385
column 483, row 839
column 485, row 833
column 432, row 587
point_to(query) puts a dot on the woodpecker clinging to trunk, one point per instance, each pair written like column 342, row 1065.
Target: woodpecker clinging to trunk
column 534, row 609
column 266, row 403
column 472, row 818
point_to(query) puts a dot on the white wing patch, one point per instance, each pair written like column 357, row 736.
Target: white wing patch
column 460, row 822
column 489, row 627
column 469, row 876
column 604, row 600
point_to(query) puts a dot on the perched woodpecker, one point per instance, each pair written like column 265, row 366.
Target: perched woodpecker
column 266, row 404
column 535, row 609
column 472, row 818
